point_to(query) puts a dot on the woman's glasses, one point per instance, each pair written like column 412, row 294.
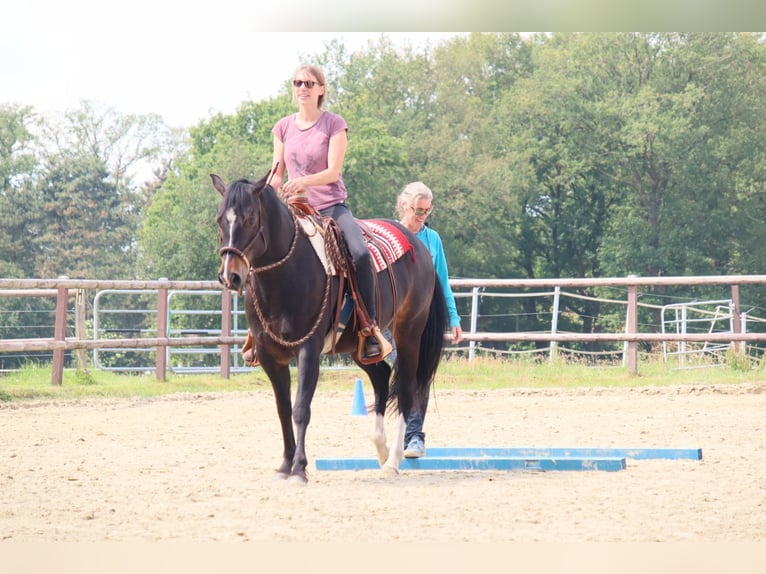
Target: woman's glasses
column 308, row 83
column 421, row 212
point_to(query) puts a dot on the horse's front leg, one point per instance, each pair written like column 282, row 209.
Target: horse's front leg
column 308, row 375
column 279, row 375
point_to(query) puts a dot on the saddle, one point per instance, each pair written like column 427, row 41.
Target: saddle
column 386, row 244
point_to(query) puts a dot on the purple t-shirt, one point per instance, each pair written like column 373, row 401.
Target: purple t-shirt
column 306, row 154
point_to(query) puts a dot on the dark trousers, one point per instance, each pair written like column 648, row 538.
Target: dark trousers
column 360, row 256
column 415, row 423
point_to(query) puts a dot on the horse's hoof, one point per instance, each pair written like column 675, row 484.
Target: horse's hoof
column 297, row 479
column 389, row 472
column 382, row 451
column 280, row 476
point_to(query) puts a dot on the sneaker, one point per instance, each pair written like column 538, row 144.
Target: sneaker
column 416, row 448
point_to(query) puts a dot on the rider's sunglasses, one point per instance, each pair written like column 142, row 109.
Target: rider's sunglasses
column 422, row 212
column 308, row 83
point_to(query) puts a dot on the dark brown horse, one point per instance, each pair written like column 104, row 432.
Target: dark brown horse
column 291, row 303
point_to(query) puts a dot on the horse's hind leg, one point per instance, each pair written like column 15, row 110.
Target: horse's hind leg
column 379, row 374
column 390, row 466
column 389, row 457
column 378, row 438
column 405, row 375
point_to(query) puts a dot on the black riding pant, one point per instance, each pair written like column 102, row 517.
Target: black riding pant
column 360, row 256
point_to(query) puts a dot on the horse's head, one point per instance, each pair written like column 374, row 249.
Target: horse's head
column 240, row 226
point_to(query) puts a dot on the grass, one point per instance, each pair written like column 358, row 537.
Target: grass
column 34, row 382
column 493, row 374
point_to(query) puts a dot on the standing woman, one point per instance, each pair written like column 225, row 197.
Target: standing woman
column 310, row 146
column 414, row 205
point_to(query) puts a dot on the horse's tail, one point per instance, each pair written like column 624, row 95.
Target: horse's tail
column 430, row 351
column 432, row 342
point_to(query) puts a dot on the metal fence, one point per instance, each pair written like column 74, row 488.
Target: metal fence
column 164, row 326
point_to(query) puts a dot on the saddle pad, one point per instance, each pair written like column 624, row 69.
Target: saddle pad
column 385, row 242
column 311, row 231
column 389, row 242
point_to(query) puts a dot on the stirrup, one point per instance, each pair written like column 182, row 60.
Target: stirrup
column 385, row 347
column 248, row 351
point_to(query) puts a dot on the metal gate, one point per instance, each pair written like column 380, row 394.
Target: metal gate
column 123, row 313
column 715, row 316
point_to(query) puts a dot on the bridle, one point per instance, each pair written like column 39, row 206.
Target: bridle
column 228, row 250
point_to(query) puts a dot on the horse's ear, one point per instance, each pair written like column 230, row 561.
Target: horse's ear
column 271, row 173
column 218, row 183
column 263, row 182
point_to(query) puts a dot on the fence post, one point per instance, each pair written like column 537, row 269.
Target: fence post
column 226, row 332
column 162, row 331
column 79, row 328
column 554, row 321
column 59, row 333
column 736, row 320
column 682, row 344
column 474, row 320
column 631, row 329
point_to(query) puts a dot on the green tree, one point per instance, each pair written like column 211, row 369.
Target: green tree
column 178, row 238
column 374, row 169
column 423, row 115
column 560, row 123
column 21, row 316
column 17, row 158
column 692, row 128
column 463, row 155
column 554, row 133
column 84, row 205
column 86, row 230
column 18, row 164
column 123, row 143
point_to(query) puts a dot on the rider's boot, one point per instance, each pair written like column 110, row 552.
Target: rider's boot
column 374, row 347
column 248, row 351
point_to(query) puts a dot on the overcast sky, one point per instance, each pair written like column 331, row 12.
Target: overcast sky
column 186, row 60
column 181, row 63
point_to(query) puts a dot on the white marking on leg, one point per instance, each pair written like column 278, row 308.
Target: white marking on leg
column 378, row 438
column 396, row 454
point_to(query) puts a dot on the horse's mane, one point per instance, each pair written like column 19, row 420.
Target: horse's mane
column 239, row 195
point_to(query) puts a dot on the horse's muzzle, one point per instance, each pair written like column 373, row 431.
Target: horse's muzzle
column 232, row 274
column 234, row 269
column 231, row 280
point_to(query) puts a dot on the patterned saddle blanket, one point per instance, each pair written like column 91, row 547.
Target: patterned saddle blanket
column 385, row 241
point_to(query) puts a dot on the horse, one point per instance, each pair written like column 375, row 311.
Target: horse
column 293, row 303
